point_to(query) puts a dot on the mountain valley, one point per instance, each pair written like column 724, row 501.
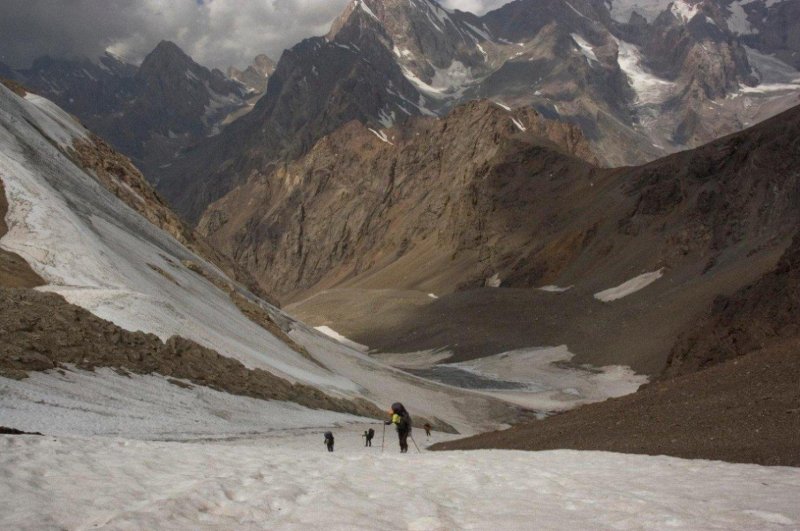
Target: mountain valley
column 561, row 235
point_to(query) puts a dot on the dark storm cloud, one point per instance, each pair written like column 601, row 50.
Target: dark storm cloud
column 215, row 32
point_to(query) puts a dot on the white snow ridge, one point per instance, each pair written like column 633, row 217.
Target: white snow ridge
column 631, row 286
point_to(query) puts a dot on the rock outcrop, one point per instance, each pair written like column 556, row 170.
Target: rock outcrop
column 14, row 271
column 255, row 76
column 752, row 320
column 41, row 331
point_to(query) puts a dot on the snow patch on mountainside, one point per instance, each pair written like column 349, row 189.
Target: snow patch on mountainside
column 446, row 83
column 549, row 384
column 554, row 289
column 586, row 49
column 631, row 286
column 330, row 332
column 361, row 4
column 649, row 89
column 381, row 135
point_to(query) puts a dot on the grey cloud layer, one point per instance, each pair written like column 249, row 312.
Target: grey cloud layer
column 214, row 32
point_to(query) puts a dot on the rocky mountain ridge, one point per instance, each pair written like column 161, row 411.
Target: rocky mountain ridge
column 362, row 197
column 637, row 89
column 493, row 187
column 640, row 80
column 148, row 112
column 255, row 76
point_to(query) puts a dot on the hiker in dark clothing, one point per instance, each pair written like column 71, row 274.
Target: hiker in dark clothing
column 368, row 435
column 329, row 440
column 402, row 420
column 427, row 430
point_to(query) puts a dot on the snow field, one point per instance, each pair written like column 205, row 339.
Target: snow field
column 294, row 483
column 551, row 387
column 629, row 287
column 145, row 407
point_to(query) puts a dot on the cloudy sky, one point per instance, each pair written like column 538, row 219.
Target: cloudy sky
column 214, row 32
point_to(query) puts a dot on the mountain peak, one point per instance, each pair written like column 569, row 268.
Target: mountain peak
column 384, row 11
column 166, row 52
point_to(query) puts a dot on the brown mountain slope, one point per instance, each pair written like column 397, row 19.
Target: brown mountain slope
column 526, row 210
column 361, row 199
column 713, row 220
column 755, row 318
column 730, row 390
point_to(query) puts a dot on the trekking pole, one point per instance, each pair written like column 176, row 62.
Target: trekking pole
column 415, row 443
column 383, row 437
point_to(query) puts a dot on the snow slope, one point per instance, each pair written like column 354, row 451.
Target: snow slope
column 551, row 387
column 97, row 252
column 292, row 483
column 144, row 407
column 629, row 287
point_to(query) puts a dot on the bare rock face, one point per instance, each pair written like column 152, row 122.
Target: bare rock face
column 755, row 318
column 255, row 76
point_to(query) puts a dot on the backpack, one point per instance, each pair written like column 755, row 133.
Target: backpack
column 328, row 436
column 370, row 433
column 405, row 418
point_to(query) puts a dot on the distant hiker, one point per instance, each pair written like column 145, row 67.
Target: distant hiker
column 368, row 435
column 402, row 420
column 329, row 440
column 427, row 427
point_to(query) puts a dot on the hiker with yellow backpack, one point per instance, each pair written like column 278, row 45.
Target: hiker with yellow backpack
column 402, row 421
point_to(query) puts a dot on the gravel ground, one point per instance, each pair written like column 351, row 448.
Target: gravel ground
column 746, row 410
